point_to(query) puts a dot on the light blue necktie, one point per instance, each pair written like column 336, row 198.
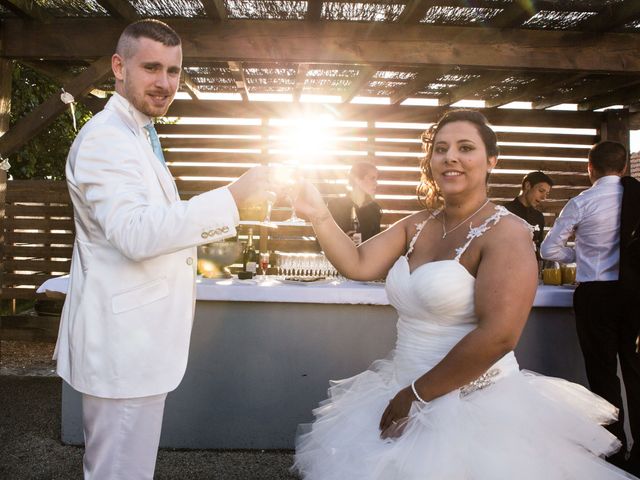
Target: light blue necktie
column 155, row 142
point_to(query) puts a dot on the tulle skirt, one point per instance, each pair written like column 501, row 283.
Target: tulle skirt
column 516, row 426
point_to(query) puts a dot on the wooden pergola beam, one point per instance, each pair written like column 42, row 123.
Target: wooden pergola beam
column 27, row 9
column 415, row 10
column 531, row 91
column 6, row 70
column 468, row 89
column 351, row 111
column 594, row 88
column 520, row 93
column 362, row 112
column 237, row 71
column 32, row 123
column 342, row 43
column 612, row 17
column 54, row 72
column 363, row 78
column 624, row 96
column 58, row 74
column 314, row 10
column 513, row 15
column 120, row 9
column 190, row 86
column 216, row 9
column 301, row 76
column 424, row 77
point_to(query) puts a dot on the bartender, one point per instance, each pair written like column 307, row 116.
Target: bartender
column 535, row 188
column 357, row 214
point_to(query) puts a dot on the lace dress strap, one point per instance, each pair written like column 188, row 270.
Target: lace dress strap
column 419, row 227
column 475, row 232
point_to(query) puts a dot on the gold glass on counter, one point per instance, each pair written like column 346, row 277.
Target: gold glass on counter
column 568, row 273
column 551, row 273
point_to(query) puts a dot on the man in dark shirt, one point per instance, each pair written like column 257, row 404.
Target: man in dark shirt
column 535, row 188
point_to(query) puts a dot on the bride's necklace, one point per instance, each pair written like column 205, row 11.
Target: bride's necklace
column 446, row 232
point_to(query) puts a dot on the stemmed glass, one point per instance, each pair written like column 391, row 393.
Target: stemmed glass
column 264, row 263
column 271, row 198
column 287, row 175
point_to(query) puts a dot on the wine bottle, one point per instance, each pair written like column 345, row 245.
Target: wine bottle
column 355, row 226
column 250, row 255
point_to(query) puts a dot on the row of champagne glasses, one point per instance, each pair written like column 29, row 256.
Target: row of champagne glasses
column 304, row 264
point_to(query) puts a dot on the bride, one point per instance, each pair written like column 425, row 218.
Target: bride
column 450, row 402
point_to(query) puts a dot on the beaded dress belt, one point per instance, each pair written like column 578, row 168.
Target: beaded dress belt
column 483, row 381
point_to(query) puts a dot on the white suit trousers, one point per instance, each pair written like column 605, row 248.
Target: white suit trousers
column 121, row 437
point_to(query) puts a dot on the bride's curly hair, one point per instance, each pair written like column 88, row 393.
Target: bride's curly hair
column 429, row 194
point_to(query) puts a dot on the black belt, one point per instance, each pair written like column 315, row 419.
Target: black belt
column 600, row 282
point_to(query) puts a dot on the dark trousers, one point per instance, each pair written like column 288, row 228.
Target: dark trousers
column 607, row 321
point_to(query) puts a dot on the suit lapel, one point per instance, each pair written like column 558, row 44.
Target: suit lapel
column 162, row 172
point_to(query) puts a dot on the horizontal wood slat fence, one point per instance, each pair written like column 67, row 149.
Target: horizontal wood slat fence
column 206, row 156
column 38, row 223
column 38, row 236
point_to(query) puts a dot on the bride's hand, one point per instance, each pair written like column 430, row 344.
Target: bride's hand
column 309, row 203
column 396, row 415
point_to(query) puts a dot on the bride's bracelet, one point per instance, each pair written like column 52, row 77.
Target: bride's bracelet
column 415, row 392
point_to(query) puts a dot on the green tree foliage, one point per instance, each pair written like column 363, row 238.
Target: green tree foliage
column 44, row 155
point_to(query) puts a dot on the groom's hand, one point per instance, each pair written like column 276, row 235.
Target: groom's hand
column 254, row 187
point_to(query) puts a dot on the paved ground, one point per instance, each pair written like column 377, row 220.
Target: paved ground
column 30, row 446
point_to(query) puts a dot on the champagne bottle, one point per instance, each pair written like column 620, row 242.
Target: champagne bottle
column 355, row 226
column 250, row 255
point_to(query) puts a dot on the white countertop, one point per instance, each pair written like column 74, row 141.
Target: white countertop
column 272, row 289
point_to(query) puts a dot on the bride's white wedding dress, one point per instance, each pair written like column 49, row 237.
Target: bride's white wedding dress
column 506, row 425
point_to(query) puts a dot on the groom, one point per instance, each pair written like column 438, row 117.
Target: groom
column 126, row 323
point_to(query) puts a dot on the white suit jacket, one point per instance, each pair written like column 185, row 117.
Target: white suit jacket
column 126, row 321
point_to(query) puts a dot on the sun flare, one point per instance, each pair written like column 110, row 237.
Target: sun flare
column 303, row 140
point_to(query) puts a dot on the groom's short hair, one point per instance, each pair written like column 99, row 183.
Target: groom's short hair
column 148, row 28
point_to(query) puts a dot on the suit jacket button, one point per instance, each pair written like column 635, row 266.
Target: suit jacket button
column 189, row 261
column 204, row 234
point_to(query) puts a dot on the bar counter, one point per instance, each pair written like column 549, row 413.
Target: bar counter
column 263, row 351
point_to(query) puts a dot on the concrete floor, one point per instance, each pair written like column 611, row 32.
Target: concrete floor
column 30, row 446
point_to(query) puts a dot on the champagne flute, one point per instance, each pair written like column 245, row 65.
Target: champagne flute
column 271, row 198
column 286, row 176
column 293, row 219
column 264, row 263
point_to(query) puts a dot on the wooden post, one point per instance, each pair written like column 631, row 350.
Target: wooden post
column 6, row 70
column 371, row 141
column 615, row 127
column 263, row 246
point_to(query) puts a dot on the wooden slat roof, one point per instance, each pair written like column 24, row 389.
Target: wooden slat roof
column 546, row 52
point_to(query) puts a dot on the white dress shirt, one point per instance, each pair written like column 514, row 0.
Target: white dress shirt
column 594, row 216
